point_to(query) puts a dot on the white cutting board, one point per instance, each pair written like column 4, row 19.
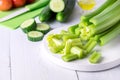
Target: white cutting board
column 110, row 52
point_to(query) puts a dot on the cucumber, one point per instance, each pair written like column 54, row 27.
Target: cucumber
column 65, row 14
column 46, row 14
column 57, row 5
column 35, row 36
column 28, row 25
column 43, row 27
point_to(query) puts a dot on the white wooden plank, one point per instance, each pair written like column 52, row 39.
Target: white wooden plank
column 112, row 74
column 4, row 54
column 28, row 65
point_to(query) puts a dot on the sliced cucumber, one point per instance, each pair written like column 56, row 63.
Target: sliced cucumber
column 57, row 5
column 28, row 25
column 43, row 27
column 35, row 36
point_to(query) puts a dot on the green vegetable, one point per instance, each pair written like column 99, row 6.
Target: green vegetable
column 28, row 25
column 95, row 57
column 68, row 46
column 46, row 14
column 71, row 29
column 34, row 36
column 57, row 5
column 70, row 57
column 43, row 27
column 90, row 45
column 78, row 51
column 111, row 12
column 65, row 14
column 85, row 18
column 110, row 35
column 69, row 36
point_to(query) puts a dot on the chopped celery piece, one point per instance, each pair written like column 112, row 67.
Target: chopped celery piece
column 110, row 35
column 68, row 46
column 111, row 12
column 77, row 31
column 70, row 57
column 95, row 57
column 70, row 43
column 86, row 17
column 69, row 36
column 78, row 51
column 90, row 45
column 71, row 29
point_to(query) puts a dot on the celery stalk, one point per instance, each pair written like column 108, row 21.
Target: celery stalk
column 106, row 15
column 111, row 35
column 86, row 17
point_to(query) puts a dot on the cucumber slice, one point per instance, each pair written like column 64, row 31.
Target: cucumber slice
column 57, row 5
column 43, row 27
column 35, row 36
column 28, row 25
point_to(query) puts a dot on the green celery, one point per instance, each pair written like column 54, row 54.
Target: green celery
column 95, row 57
column 69, row 36
column 68, row 46
column 71, row 29
column 90, row 45
column 70, row 57
column 107, row 15
column 86, row 17
column 78, row 51
column 111, row 35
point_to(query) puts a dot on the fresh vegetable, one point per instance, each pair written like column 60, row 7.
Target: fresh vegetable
column 57, row 5
column 85, row 18
column 28, row 25
column 65, row 14
column 46, row 14
column 71, row 29
column 78, row 51
column 5, row 5
column 110, row 35
column 70, row 57
column 105, row 22
column 35, row 36
column 95, row 57
column 18, row 3
column 43, row 27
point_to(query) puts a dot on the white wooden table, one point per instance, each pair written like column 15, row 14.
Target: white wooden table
column 20, row 60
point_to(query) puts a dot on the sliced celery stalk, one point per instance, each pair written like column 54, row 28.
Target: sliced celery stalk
column 111, row 35
column 86, row 17
column 95, row 57
column 70, row 57
column 68, row 46
column 78, row 51
column 68, row 36
column 90, row 45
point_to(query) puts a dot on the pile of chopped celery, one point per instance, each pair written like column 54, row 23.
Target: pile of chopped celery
column 97, row 27
column 70, row 46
